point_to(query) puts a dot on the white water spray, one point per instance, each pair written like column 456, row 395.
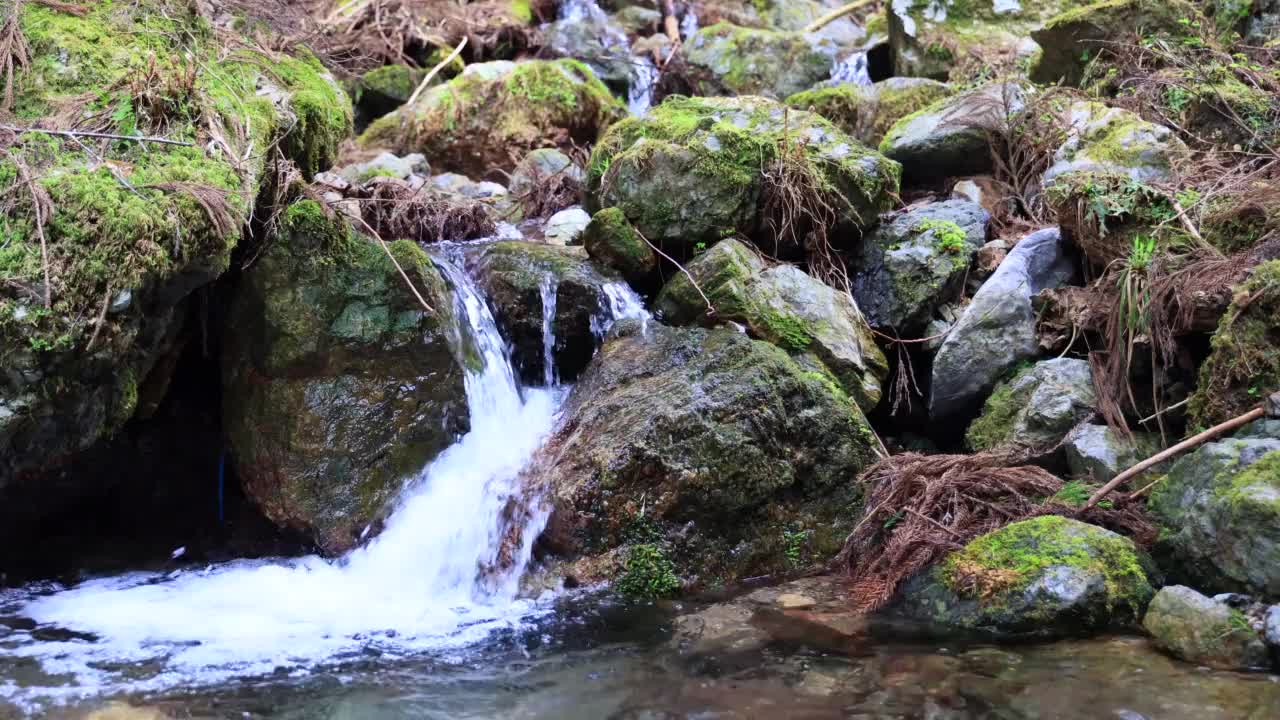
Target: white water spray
column 852, row 69
column 429, row 581
column 548, row 288
column 644, row 77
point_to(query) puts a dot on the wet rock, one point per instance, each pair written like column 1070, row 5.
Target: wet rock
column 867, row 112
column 338, row 384
column 493, row 114
column 953, row 135
column 639, row 20
column 728, row 60
column 997, row 329
column 1100, row 453
column 611, row 240
column 916, row 261
column 1037, row 407
column 566, row 226
column 960, row 39
column 516, row 276
column 693, row 171
column 1111, row 140
column 1071, row 40
column 782, row 305
column 1221, row 508
column 385, row 88
column 596, row 39
column 716, row 453
column 1200, row 630
column 386, row 165
column 1243, row 365
column 1044, row 577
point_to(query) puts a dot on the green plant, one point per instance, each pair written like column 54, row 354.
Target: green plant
column 793, row 542
column 648, row 573
column 948, row 236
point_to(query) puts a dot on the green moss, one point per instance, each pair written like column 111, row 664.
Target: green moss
column 522, row 11
column 745, row 61
column 993, row 427
column 1243, row 365
column 1255, row 491
column 1017, row 554
column 392, row 81
column 647, row 574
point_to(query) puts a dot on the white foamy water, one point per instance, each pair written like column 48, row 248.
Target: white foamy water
column 418, row 586
column 852, row 69
column 548, row 288
column 644, row 77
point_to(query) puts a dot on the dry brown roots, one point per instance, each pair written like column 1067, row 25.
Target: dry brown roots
column 393, row 209
column 921, row 507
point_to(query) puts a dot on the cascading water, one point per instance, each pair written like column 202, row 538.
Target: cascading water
column 852, row 69
column 428, row 582
column 548, row 289
column 644, row 76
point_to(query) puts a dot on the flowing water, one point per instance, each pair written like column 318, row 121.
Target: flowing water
column 852, row 69
column 426, row 583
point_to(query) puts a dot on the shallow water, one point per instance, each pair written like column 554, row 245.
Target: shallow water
column 594, row 659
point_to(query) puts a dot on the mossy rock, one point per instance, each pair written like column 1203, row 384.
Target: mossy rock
column 1203, row 631
column 1243, row 366
column 1221, row 509
column 338, row 385
column 133, row 227
column 916, row 261
column 1114, row 141
column 518, row 278
column 693, row 171
column 1035, row 409
column 1040, row 578
column 709, row 445
column 611, row 241
column 724, row 59
column 782, row 305
column 957, row 39
column 489, row 117
column 952, row 136
column 867, row 113
column 1071, row 39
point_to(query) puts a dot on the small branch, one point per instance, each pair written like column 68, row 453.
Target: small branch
column 711, row 311
column 85, row 133
column 1171, row 408
column 1163, row 455
column 102, row 320
column 836, row 14
column 426, row 80
column 387, row 249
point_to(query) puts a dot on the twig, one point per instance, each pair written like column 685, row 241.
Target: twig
column 1143, row 491
column 1163, row 455
column 1172, row 407
column 836, row 14
column 102, row 320
column 41, row 207
column 711, row 311
column 387, row 249
column 935, row 523
column 426, row 80
column 86, row 133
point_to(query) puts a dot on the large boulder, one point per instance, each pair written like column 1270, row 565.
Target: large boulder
column 963, row 38
column 610, row 240
column 996, row 331
column 103, row 246
column 781, row 304
column 717, row 455
column 523, row 281
column 916, row 261
column 1110, row 140
column 338, row 385
column 952, row 136
column 1221, row 509
column 1071, row 40
column 1243, row 365
column 1037, row 407
column 1099, row 453
column 1204, row 631
column 866, row 112
column 1044, row 577
column 489, row 117
column 728, row 60
column 694, row 171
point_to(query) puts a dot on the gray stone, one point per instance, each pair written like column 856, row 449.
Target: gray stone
column 1101, row 453
column 911, row 264
column 566, row 226
column 1037, row 407
column 540, row 166
column 1082, row 579
column 952, row 136
column 1199, row 630
column 783, row 305
column 997, row 328
column 1112, row 140
column 1221, row 508
column 731, row 60
column 386, row 165
column 595, row 39
column 1272, row 619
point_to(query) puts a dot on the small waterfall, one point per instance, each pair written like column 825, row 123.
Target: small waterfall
column 852, row 69
column 644, row 76
column 437, row 577
column 548, row 288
